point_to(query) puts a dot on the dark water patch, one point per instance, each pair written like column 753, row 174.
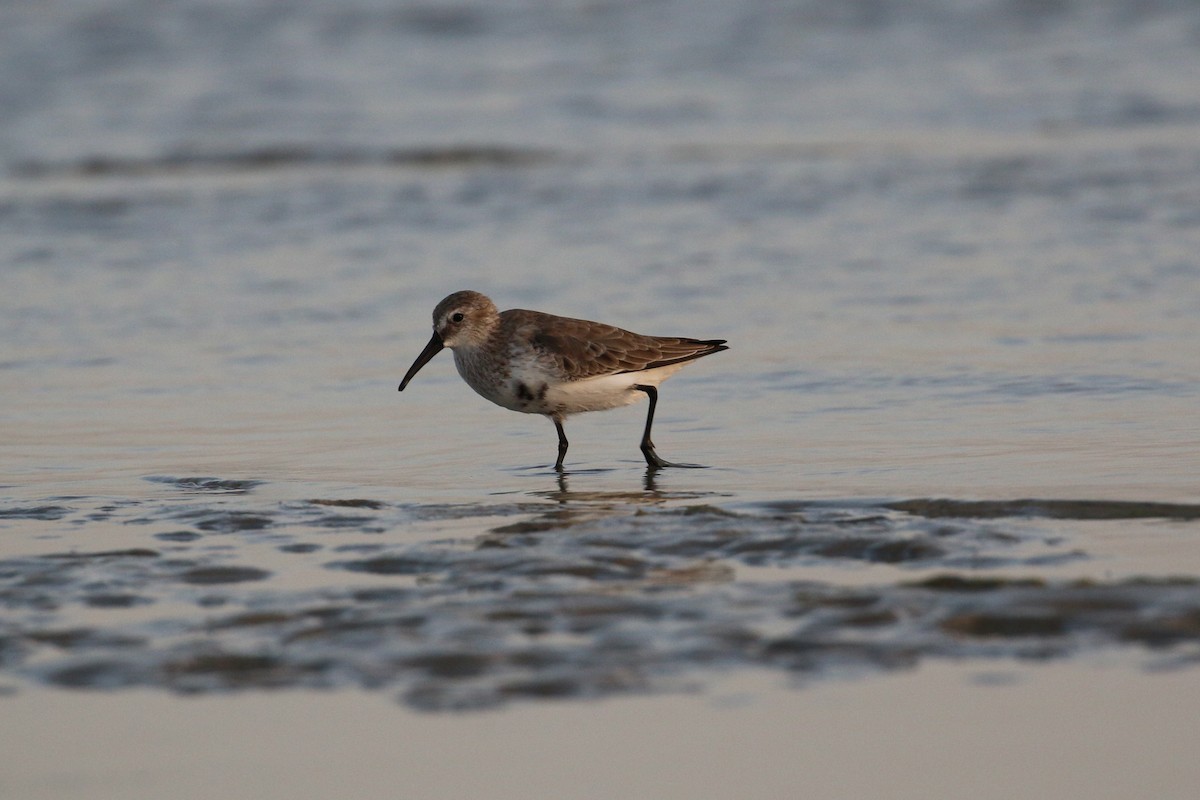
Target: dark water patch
column 435, row 512
column 116, row 600
column 525, row 526
column 360, row 547
column 133, row 552
column 283, row 157
column 1078, row 611
column 83, row 638
column 544, row 688
column 820, row 534
column 364, row 524
column 888, row 552
column 380, row 594
column 1052, row 509
column 350, row 628
column 97, row 674
column 1162, row 580
column 224, row 521
column 300, row 547
column 1165, row 631
column 13, row 649
column 451, row 664
column 206, row 576
column 395, row 565
column 964, row 583
column 203, row 485
column 703, row 510
column 30, row 597
column 470, row 156
column 222, row 671
column 988, row 624
column 102, row 579
column 48, row 512
column 252, row 619
column 347, row 24
column 354, row 503
column 872, row 618
column 178, row 536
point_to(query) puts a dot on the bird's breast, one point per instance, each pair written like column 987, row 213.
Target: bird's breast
column 513, row 383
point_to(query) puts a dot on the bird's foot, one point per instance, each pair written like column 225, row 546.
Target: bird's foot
column 654, row 461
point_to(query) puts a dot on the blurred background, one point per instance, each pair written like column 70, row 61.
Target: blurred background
column 945, row 225
column 953, row 244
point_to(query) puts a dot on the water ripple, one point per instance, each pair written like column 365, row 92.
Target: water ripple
column 570, row 597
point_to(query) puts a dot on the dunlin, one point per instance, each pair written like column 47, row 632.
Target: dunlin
column 542, row 364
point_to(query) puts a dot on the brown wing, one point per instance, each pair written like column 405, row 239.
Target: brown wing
column 579, row 348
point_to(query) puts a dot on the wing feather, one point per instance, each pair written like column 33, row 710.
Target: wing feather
column 579, row 349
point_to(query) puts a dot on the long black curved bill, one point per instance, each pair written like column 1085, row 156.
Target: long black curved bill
column 432, row 349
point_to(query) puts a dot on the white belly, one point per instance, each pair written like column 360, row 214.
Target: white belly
column 529, row 389
column 594, row 394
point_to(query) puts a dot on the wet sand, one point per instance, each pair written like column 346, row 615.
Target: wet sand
column 1054, row 730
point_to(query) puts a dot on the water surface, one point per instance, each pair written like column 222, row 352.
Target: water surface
column 952, row 247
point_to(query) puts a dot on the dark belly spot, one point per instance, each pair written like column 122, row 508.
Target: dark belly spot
column 541, row 395
column 523, row 393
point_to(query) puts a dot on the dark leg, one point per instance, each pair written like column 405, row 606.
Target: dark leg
column 652, row 458
column 562, row 443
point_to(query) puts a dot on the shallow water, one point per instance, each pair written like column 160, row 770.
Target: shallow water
column 952, row 247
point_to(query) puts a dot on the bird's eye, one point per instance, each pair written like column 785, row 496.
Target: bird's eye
column 457, row 316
